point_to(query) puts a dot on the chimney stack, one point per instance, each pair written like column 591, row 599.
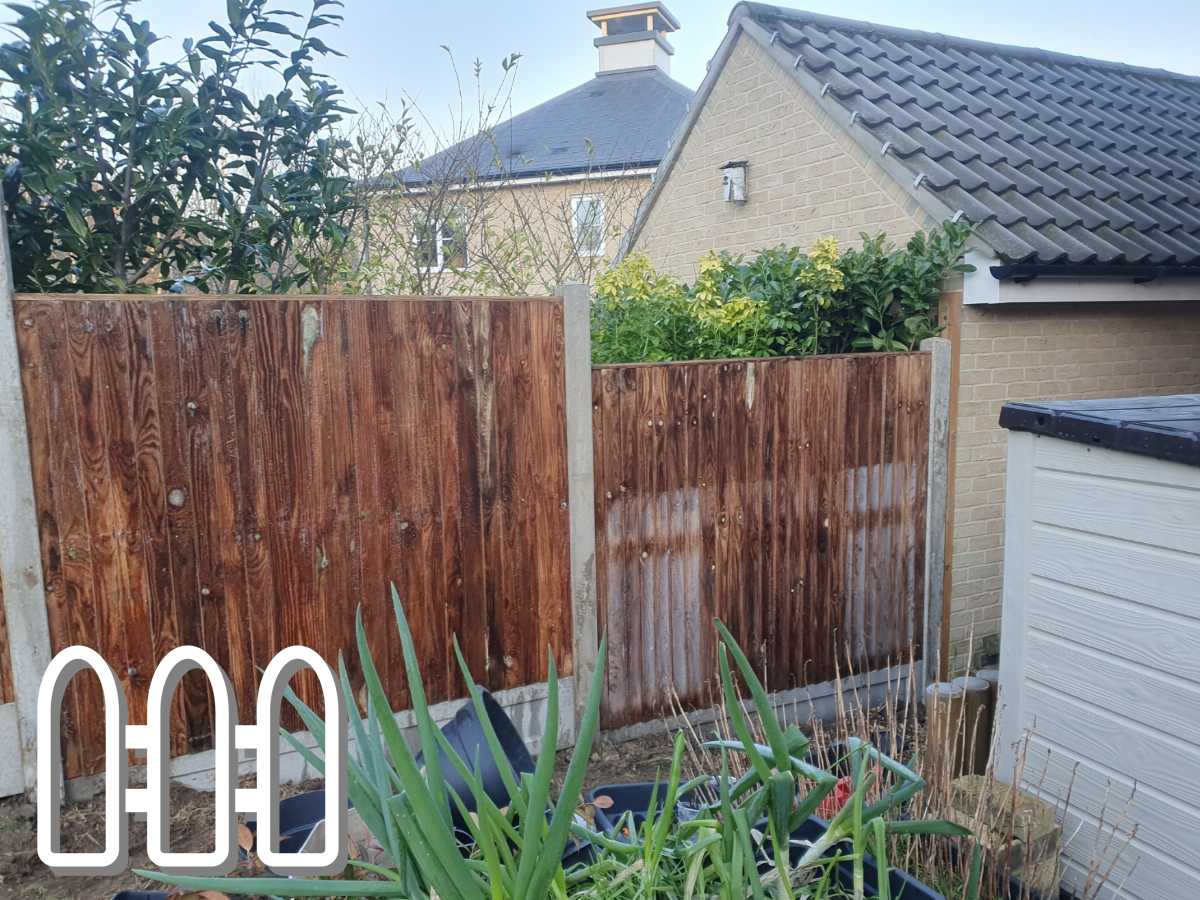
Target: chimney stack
column 634, row 36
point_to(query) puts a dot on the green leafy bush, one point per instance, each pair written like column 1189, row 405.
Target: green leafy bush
column 129, row 166
column 779, row 302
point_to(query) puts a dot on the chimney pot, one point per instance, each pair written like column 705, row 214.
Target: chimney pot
column 633, row 36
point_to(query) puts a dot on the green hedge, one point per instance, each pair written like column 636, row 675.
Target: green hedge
column 780, row 302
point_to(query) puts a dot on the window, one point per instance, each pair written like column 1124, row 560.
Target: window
column 587, row 223
column 443, row 248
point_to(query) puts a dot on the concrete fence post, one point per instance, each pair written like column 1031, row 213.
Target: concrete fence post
column 20, row 555
column 577, row 358
column 935, row 516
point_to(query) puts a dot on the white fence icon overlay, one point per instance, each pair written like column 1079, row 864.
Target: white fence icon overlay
column 120, row 800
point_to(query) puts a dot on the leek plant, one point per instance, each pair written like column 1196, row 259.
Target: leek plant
column 750, row 836
column 406, row 805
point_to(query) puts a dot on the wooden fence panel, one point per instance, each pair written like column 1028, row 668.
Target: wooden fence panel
column 7, row 692
column 785, row 496
column 242, row 473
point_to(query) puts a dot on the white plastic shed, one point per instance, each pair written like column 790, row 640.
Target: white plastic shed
column 1100, row 635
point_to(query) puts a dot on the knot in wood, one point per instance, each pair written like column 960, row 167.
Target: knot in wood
column 177, row 497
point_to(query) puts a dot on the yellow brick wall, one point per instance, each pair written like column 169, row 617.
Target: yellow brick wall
column 806, row 179
column 1056, row 351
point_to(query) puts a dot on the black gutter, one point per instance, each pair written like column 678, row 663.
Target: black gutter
column 1139, row 274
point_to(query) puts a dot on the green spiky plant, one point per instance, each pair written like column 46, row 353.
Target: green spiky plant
column 406, row 805
column 740, row 843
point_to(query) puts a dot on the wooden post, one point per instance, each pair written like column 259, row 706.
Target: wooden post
column 935, row 519
column 20, row 556
column 581, row 489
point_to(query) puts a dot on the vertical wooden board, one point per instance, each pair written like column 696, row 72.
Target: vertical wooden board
column 499, row 512
column 829, row 458
column 676, row 538
column 758, row 530
column 633, row 607
column 149, row 435
column 709, row 464
column 195, row 328
column 727, row 472
column 344, row 588
column 313, row 493
column 227, row 357
column 561, row 606
column 267, row 410
column 474, row 364
column 491, row 328
column 7, row 689
column 546, row 479
column 64, row 543
column 643, row 555
column 797, row 483
column 658, row 544
column 106, row 633
column 522, row 664
column 175, row 365
column 609, row 453
column 690, row 549
column 434, row 468
column 775, row 512
column 450, row 470
column 375, row 346
column 906, row 449
column 414, row 536
column 886, row 583
column 118, row 373
column 220, row 539
column 871, row 376
column 337, row 508
column 600, row 497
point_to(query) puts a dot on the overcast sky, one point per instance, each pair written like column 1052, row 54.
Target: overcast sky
column 392, row 46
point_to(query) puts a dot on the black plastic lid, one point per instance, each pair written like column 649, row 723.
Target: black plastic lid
column 1162, row 427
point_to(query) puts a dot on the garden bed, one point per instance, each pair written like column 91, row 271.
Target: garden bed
column 23, row 877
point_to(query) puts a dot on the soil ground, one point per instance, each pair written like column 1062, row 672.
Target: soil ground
column 23, row 877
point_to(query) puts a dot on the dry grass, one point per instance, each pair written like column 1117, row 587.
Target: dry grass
column 899, row 723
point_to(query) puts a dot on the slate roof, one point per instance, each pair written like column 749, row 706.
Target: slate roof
column 1057, row 159
column 618, row 120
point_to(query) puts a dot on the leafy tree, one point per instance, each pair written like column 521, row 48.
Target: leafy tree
column 123, row 173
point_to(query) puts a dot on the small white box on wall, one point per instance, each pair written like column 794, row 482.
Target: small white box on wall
column 733, row 181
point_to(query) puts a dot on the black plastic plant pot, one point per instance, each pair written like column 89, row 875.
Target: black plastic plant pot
column 465, row 734
column 903, row 886
column 634, row 798
column 298, row 816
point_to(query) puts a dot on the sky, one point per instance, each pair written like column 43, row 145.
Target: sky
column 392, row 46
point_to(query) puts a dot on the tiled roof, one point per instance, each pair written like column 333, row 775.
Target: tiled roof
column 1057, row 159
column 618, row 120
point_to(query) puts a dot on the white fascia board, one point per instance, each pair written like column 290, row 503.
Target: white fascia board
column 1099, row 290
column 981, row 288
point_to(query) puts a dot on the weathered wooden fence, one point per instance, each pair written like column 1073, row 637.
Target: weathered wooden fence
column 241, row 473
column 786, row 497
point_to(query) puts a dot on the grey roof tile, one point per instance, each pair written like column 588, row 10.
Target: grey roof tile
column 1055, row 158
column 618, row 120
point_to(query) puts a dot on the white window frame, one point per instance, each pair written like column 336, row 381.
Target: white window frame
column 440, row 240
column 580, row 249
